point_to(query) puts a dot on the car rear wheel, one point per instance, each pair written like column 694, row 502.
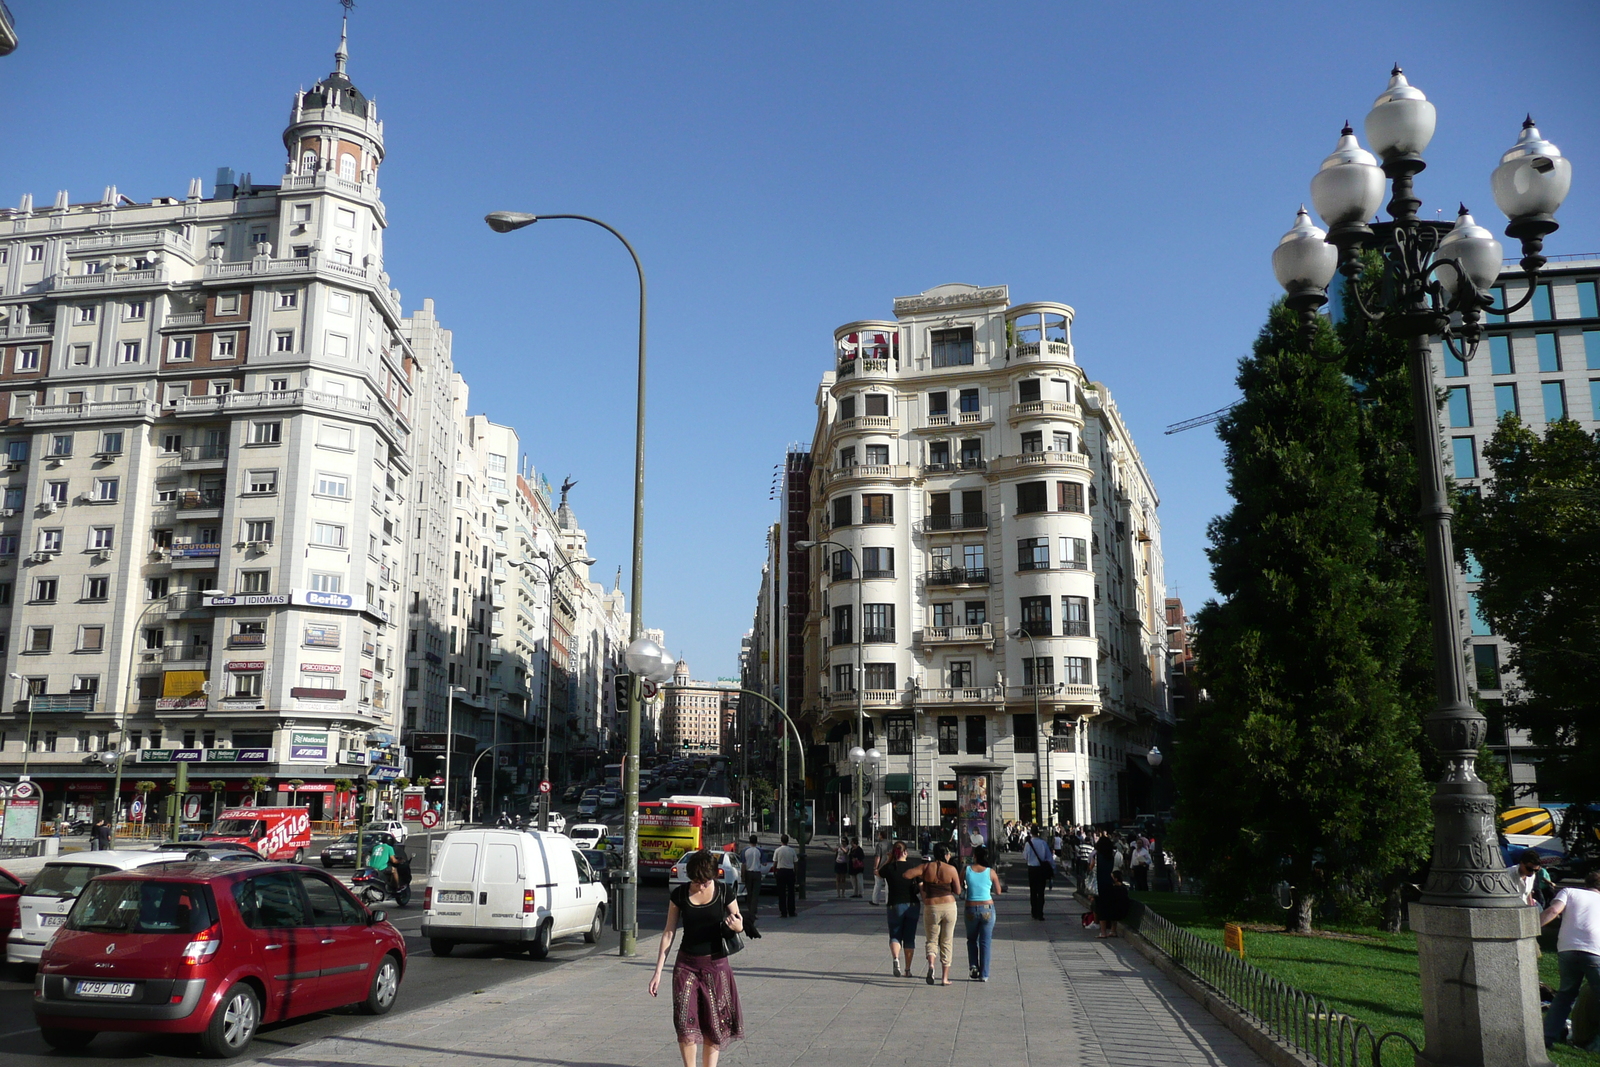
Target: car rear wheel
column 593, row 934
column 385, row 986
column 539, row 947
column 233, row 1024
column 66, row 1040
column 440, row 947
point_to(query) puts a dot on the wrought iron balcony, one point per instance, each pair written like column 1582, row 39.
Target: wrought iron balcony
column 966, row 520
column 960, row 576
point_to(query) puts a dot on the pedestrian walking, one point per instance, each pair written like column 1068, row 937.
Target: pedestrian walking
column 858, row 866
column 941, row 884
column 705, row 1001
column 1041, row 868
column 1532, row 880
column 982, row 882
column 841, row 866
column 1105, row 862
column 1082, row 856
column 1577, row 953
column 99, row 836
column 903, row 909
column 1112, row 906
column 1141, row 866
column 753, row 869
column 880, row 855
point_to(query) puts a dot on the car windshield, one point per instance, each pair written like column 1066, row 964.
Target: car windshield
column 126, row 907
column 65, row 879
column 234, row 828
column 348, row 839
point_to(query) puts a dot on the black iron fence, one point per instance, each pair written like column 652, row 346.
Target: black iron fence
column 1306, row 1023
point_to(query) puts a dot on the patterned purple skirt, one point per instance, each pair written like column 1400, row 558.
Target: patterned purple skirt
column 705, row 1002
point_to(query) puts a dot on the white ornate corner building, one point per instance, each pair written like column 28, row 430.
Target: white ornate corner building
column 1010, row 583
column 242, row 495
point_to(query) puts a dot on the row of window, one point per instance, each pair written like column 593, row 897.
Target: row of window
column 1553, row 353
column 1036, row 670
column 1553, row 396
column 878, row 619
column 100, row 539
column 1032, row 498
column 1543, row 305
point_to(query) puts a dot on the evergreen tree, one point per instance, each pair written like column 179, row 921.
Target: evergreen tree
column 1303, row 764
column 1534, row 530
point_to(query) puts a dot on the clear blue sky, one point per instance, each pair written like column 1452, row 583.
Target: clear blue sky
column 784, row 169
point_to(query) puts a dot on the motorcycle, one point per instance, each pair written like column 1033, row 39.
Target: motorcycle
column 374, row 886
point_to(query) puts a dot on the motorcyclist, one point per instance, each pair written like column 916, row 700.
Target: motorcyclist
column 400, row 870
column 381, row 859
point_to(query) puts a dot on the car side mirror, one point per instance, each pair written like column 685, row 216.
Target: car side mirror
column 376, row 917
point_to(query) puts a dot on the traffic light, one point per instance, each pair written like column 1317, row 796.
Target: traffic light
column 624, row 683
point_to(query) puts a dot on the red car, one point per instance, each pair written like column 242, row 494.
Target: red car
column 214, row 950
column 11, row 888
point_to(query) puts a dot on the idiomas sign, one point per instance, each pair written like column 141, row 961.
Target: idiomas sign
column 244, row 600
column 308, row 746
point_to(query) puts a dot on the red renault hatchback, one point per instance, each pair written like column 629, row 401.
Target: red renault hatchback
column 214, row 950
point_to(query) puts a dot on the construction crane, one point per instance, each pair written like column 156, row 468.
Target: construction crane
column 1200, row 420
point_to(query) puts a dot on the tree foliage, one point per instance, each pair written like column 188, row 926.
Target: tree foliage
column 1303, row 764
column 1534, row 531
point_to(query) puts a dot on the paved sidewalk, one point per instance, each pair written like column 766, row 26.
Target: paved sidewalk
column 818, row 990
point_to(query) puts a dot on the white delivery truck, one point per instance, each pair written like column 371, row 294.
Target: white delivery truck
column 525, row 888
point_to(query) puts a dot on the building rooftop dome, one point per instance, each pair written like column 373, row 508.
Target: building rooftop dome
column 337, row 90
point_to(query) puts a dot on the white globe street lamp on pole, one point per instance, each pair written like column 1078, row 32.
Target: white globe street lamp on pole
column 1475, row 940
column 859, row 625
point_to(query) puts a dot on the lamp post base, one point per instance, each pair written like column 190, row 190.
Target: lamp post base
column 1480, row 993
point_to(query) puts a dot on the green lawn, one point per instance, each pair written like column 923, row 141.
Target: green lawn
column 1373, row 980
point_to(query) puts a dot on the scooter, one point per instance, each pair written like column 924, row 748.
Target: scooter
column 375, row 886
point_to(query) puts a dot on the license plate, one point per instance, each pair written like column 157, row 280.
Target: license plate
column 105, row 989
column 52, row 920
column 455, row 896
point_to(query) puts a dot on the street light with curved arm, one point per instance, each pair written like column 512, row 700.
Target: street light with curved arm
column 1044, row 773
column 505, row 222
column 165, row 604
column 861, row 665
column 548, row 573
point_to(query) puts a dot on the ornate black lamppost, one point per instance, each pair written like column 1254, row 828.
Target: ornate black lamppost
column 1475, row 938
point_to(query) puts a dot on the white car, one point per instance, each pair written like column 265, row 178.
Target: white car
column 589, row 834
column 43, row 906
column 728, row 877
column 558, row 822
column 393, row 827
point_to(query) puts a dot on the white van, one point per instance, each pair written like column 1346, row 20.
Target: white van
column 43, row 906
column 525, row 887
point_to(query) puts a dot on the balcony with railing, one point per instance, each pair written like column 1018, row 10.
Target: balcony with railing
column 961, row 520
column 1039, row 330
column 192, row 652
column 93, row 410
column 1033, row 409
column 872, row 698
column 115, row 278
column 1048, row 459
column 278, row 398
column 81, row 703
column 867, row 349
column 213, row 455
column 964, row 465
column 199, row 499
column 868, row 472
column 1061, row 692
column 971, row 634
column 959, row 576
column 863, row 423
column 986, row 694
column 1075, row 628
column 878, row 635
column 1037, row 628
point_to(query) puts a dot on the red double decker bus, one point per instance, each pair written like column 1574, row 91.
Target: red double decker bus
column 674, row 825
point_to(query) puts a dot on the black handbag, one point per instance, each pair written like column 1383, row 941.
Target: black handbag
column 732, row 940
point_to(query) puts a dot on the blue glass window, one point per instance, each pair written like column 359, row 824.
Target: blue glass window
column 1549, row 358
column 1500, row 354
column 1498, row 295
column 1505, row 401
column 1460, row 406
column 1591, row 348
column 1555, row 401
column 1473, row 570
column 1542, row 310
column 1453, row 367
column 1480, row 627
column 1588, row 306
column 1594, row 400
column 1466, row 459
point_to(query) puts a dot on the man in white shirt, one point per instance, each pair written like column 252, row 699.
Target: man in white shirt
column 1577, row 953
column 753, row 870
column 783, row 862
column 1529, row 876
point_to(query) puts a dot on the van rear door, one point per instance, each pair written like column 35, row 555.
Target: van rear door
column 455, row 892
column 501, row 883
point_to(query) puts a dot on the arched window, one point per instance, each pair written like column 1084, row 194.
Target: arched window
column 347, row 167
column 308, row 163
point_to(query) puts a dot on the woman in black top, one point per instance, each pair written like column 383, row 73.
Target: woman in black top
column 705, row 1002
column 905, row 910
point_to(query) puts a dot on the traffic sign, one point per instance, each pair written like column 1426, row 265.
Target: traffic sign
column 544, row 787
column 649, row 689
column 430, row 819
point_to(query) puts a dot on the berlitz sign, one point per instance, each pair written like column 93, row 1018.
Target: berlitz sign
column 244, row 600
column 342, row 601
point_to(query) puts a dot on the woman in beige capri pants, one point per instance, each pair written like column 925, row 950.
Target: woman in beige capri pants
column 941, row 884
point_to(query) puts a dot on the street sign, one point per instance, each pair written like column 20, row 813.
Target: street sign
column 649, row 689
column 430, row 819
column 544, row 787
column 136, row 810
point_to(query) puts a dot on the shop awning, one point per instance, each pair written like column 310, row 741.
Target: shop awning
column 897, row 783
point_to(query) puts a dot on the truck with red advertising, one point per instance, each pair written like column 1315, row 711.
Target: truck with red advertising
column 276, row 833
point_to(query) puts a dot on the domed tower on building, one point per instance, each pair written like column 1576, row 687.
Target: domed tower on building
column 334, row 128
